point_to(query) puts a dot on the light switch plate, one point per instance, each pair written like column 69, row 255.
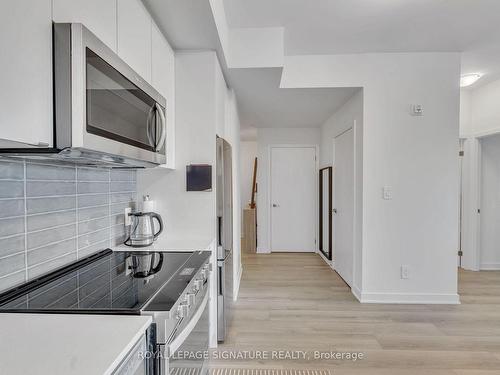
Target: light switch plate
column 417, row 110
column 405, row 272
column 387, row 192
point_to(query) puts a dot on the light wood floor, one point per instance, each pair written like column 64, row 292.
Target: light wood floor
column 295, row 302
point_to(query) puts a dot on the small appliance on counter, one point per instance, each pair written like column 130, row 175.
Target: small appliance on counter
column 142, row 227
column 171, row 287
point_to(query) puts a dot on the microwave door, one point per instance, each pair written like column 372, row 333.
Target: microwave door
column 102, row 105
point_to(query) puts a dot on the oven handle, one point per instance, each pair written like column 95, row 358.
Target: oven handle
column 177, row 342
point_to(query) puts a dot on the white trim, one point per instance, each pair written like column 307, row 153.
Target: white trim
column 408, row 298
column 481, row 134
column 471, row 188
column 331, row 263
column 356, row 292
column 236, row 290
column 262, row 250
column 490, row 266
column 354, row 129
column 268, row 201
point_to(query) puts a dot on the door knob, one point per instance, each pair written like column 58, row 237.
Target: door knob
column 275, row 205
column 334, row 210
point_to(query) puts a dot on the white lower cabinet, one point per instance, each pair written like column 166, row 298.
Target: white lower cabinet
column 26, row 73
column 135, row 363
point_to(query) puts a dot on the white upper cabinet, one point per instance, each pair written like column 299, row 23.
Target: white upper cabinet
column 134, row 36
column 162, row 64
column 163, row 80
column 26, row 73
column 99, row 16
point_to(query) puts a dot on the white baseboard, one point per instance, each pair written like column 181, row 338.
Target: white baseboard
column 356, row 292
column 331, row 263
column 261, row 250
column 236, row 290
column 489, row 267
column 408, row 298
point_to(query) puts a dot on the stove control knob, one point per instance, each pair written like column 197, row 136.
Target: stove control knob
column 198, row 284
column 204, row 274
column 182, row 310
column 190, row 298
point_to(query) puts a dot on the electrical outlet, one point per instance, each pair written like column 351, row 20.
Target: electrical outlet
column 405, row 272
column 128, row 221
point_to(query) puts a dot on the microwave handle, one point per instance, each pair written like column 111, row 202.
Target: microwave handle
column 163, row 122
column 149, row 122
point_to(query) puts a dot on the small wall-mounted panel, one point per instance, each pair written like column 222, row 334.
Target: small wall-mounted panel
column 199, row 177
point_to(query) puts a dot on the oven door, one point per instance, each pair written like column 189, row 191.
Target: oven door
column 188, row 352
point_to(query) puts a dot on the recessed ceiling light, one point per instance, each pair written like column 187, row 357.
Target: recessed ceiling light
column 469, row 79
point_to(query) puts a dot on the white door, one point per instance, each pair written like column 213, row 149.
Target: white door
column 343, row 203
column 293, row 199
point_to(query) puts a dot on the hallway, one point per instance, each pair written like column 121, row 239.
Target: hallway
column 296, row 302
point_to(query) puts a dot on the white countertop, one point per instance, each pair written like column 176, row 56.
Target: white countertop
column 69, row 344
column 185, row 243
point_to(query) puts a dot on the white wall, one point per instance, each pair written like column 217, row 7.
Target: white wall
column 265, row 138
column 188, row 213
column 465, row 113
column 347, row 116
column 248, row 155
column 486, row 109
column 232, row 135
column 204, row 108
column 417, row 156
column 490, row 203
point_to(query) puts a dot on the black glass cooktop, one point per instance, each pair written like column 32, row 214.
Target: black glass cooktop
column 109, row 282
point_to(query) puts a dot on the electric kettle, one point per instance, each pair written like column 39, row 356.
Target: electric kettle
column 142, row 229
column 144, row 265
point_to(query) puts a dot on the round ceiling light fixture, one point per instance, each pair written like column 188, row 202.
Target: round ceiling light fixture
column 469, row 79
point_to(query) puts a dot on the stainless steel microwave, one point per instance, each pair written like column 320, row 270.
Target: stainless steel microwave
column 103, row 109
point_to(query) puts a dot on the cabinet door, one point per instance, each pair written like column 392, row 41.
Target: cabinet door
column 134, row 36
column 163, row 79
column 26, row 71
column 99, row 16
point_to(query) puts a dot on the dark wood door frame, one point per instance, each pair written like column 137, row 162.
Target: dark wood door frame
column 326, row 249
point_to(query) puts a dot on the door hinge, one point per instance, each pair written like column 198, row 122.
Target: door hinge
column 460, row 253
column 461, row 153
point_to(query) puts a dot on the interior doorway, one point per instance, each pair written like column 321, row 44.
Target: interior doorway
column 343, row 204
column 293, row 181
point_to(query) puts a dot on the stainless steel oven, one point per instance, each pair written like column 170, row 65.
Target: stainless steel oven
column 183, row 332
column 102, row 106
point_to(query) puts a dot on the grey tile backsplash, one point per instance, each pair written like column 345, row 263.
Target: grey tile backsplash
column 51, row 215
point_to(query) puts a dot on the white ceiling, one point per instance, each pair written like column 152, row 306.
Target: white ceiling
column 346, row 26
column 262, row 104
column 189, row 24
column 333, row 27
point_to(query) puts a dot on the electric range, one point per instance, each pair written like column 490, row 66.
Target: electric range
column 172, row 287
